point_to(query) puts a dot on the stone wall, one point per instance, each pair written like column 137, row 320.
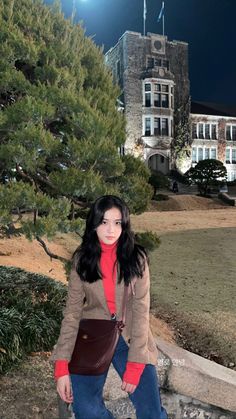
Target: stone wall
column 190, row 386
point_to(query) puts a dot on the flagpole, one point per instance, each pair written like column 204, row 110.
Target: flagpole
column 163, row 22
column 162, row 16
column 144, row 16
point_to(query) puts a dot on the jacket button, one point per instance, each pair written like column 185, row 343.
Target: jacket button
column 85, row 336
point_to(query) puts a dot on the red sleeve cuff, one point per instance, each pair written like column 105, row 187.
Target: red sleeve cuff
column 61, row 368
column 133, row 372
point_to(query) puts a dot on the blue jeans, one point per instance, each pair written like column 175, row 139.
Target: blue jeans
column 87, row 391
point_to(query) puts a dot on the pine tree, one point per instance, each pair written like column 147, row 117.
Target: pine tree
column 60, row 129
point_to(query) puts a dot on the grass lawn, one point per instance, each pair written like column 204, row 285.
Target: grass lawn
column 193, row 277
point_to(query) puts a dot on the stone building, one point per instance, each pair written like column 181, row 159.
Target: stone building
column 154, row 79
column 214, row 135
column 153, row 75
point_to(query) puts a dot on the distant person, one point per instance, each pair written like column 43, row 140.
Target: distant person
column 175, row 187
column 104, row 264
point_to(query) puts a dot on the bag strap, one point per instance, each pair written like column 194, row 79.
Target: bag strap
column 124, row 303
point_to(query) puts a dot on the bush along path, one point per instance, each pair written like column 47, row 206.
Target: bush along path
column 30, row 314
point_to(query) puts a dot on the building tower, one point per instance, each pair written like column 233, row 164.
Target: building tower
column 153, row 75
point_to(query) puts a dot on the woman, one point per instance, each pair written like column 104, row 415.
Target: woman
column 105, row 262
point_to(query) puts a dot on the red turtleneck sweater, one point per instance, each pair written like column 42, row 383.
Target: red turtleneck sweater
column 133, row 370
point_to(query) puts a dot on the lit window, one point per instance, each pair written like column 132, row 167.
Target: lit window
column 164, row 101
column 158, row 95
column 228, row 133
column 156, row 126
column 213, row 153
column 194, row 131
column 234, row 155
column 203, row 131
column 194, row 155
column 207, row 153
column 231, row 132
column 227, row 155
column 147, row 127
column 234, row 132
column 157, row 100
column 165, row 88
column 164, row 126
column 213, row 131
column 207, row 131
column 200, row 153
column 200, row 130
column 148, row 99
column 148, row 95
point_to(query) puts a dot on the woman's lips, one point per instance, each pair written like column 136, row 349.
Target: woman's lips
column 110, row 237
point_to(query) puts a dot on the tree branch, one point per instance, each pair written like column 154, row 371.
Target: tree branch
column 49, row 253
column 24, row 175
column 47, row 182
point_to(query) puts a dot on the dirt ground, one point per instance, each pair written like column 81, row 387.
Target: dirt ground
column 180, row 212
column 185, row 212
column 28, row 391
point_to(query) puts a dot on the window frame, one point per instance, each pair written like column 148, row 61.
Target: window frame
column 230, row 132
column 159, row 121
column 200, row 125
column 162, row 94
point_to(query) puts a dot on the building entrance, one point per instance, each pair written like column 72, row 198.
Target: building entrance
column 159, row 162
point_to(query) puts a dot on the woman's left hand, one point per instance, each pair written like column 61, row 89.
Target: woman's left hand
column 129, row 388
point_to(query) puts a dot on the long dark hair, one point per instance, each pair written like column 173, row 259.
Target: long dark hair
column 130, row 256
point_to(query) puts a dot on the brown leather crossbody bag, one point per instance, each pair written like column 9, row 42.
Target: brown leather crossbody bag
column 96, row 343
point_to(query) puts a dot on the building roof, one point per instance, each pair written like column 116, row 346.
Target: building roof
column 207, row 108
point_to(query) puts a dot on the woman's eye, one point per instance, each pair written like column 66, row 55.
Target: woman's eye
column 104, row 222
column 118, row 222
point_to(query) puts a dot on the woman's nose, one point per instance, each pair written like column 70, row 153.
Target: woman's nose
column 110, row 227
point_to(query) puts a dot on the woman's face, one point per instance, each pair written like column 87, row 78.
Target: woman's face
column 110, row 228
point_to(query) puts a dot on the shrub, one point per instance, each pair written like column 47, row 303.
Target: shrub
column 30, row 314
column 148, row 240
column 207, row 174
column 159, row 181
column 178, row 176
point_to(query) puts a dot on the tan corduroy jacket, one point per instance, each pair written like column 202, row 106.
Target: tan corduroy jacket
column 136, row 332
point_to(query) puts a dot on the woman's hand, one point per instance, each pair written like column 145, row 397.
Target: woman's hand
column 129, row 388
column 64, row 388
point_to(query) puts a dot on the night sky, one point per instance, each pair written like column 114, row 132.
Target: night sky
column 207, row 25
